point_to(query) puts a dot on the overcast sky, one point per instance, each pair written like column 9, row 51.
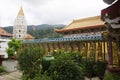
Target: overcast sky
column 49, row 11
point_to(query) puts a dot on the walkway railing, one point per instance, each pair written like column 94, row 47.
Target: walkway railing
column 64, row 39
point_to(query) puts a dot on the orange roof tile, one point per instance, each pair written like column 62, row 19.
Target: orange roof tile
column 4, row 33
column 29, row 36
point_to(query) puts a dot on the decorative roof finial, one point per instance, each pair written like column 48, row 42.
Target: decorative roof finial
column 21, row 12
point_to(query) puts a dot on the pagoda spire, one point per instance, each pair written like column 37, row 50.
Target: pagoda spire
column 21, row 13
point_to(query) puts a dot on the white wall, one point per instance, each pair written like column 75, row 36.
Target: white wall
column 3, row 47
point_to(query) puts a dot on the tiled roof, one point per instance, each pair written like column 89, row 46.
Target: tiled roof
column 4, row 33
column 91, row 22
column 29, row 36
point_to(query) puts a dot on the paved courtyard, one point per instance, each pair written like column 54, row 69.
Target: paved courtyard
column 16, row 75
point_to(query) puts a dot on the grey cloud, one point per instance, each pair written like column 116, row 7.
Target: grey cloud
column 49, row 11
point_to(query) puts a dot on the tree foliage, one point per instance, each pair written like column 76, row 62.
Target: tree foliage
column 30, row 59
column 46, row 33
column 13, row 46
column 65, row 67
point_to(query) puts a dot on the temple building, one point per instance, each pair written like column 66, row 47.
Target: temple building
column 28, row 37
column 96, row 37
column 92, row 40
column 89, row 36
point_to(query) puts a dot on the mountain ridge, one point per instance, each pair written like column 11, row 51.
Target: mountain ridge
column 36, row 27
column 40, row 31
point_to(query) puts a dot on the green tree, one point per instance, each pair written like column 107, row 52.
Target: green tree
column 29, row 60
column 13, row 46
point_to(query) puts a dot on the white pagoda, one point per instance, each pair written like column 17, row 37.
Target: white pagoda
column 20, row 26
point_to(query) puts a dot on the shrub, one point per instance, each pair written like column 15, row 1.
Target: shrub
column 89, row 68
column 100, row 68
column 111, row 76
column 64, row 67
column 42, row 77
column 75, row 56
column 13, row 46
column 57, row 53
column 2, row 69
column 93, row 69
column 30, row 60
column 37, row 77
column 10, row 52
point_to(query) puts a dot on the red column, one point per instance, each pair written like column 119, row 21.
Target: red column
column 110, row 52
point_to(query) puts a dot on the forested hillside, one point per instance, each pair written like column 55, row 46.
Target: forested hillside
column 40, row 31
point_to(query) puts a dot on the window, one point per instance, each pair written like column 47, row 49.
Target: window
column 19, row 36
column 19, row 30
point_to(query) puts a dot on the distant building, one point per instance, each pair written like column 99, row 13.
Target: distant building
column 4, row 39
column 28, row 37
column 20, row 27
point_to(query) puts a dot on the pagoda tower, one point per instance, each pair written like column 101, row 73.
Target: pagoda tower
column 20, row 26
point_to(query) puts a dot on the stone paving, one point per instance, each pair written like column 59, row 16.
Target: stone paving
column 16, row 75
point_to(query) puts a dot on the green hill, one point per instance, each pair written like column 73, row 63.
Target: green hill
column 40, row 31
